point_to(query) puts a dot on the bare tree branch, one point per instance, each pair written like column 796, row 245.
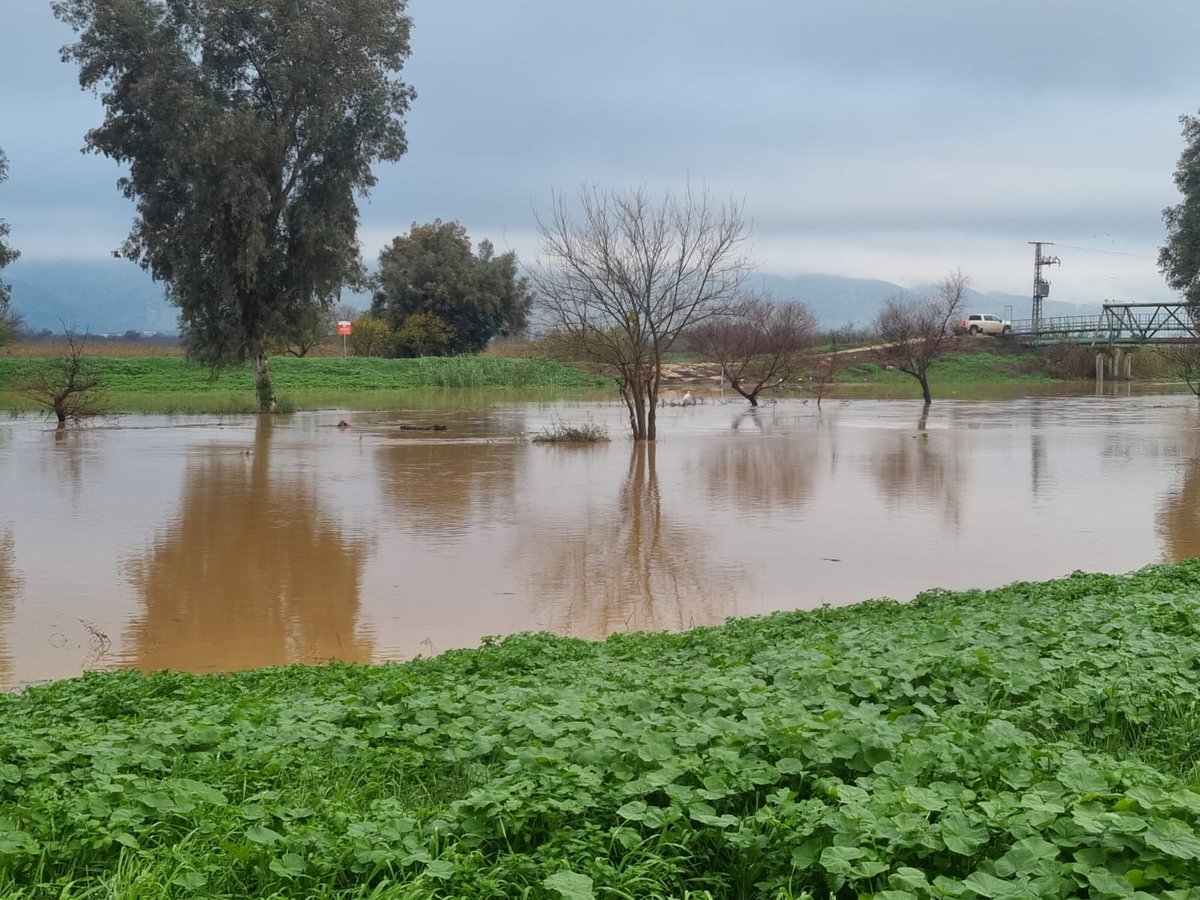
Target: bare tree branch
column 914, row 331
column 67, row 386
column 759, row 345
column 623, row 281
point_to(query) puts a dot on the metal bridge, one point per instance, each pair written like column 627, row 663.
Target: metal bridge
column 1118, row 324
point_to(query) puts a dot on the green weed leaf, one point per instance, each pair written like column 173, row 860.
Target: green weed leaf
column 1173, row 838
column 260, row 834
column 570, row 885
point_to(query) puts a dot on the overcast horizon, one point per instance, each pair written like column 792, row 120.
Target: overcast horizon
column 868, row 139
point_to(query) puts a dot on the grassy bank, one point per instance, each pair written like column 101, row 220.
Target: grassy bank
column 1036, row 741
column 961, row 368
column 172, row 384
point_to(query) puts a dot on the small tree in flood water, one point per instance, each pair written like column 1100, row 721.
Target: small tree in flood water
column 1184, row 361
column 759, row 346
column 67, row 386
column 824, row 373
column 914, row 331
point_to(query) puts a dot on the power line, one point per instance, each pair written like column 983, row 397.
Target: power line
column 1105, row 252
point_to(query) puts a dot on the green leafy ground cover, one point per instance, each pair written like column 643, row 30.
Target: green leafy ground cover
column 151, row 384
column 1039, row 740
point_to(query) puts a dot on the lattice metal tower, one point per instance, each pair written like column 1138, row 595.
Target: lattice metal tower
column 1041, row 287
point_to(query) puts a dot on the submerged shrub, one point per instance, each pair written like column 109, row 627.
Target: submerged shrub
column 567, row 433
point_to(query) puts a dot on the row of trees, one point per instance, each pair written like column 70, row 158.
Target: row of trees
column 245, row 158
column 628, row 278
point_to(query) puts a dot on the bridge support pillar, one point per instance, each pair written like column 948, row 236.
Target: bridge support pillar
column 1099, row 370
column 1129, row 367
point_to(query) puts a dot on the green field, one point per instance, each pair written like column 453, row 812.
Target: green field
column 1040, row 740
column 172, row 384
column 959, row 368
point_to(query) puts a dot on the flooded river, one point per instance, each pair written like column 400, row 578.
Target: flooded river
column 211, row 544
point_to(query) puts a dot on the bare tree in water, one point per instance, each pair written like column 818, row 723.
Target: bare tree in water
column 67, row 386
column 914, row 331
column 623, row 283
column 1184, row 360
column 759, row 345
column 823, row 377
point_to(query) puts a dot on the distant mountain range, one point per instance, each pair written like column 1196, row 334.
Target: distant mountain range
column 109, row 296
column 114, row 296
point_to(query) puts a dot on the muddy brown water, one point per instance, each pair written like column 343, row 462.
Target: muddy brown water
column 209, row 544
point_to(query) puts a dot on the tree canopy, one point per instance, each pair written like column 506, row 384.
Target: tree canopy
column 433, row 272
column 247, row 129
column 7, row 255
column 1179, row 258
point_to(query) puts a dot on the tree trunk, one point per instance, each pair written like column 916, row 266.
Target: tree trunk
column 628, row 398
column 652, row 406
column 751, row 396
column 635, row 390
column 264, row 390
column 925, row 389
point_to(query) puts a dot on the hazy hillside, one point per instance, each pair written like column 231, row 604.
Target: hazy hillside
column 101, row 297
column 115, row 296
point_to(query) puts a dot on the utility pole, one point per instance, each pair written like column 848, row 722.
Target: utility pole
column 1041, row 287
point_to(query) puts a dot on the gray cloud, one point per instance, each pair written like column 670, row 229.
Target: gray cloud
column 872, row 138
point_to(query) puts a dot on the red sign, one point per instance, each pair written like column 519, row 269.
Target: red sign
column 343, row 327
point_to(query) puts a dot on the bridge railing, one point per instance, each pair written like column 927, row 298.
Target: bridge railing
column 1118, row 323
column 1051, row 325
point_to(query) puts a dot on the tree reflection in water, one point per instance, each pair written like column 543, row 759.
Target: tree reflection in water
column 927, row 467
column 444, row 488
column 74, row 458
column 10, row 586
column 250, row 573
column 634, row 567
column 1179, row 512
column 768, row 472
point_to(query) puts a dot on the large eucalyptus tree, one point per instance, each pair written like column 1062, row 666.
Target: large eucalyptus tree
column 8, row 319
column 247, row 126
column 1179, row 257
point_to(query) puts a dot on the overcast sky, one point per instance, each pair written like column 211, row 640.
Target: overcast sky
column 891, row 139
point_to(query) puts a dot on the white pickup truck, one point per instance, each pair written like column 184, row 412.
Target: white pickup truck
column 979, row 323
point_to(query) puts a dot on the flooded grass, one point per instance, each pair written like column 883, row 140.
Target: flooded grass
column 572, row 433
column 1034, row 741
column 168, row 374
column 239, row 403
